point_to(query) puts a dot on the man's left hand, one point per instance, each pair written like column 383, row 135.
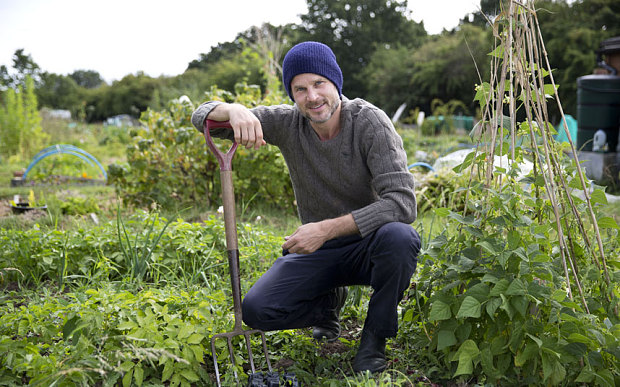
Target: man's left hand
column 309, row 237
column 306, row 239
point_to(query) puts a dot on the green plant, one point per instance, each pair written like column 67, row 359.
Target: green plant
column 441, row 119
column 21, row 134
column 491, row 296
column 516, row 287
column 78, row 205
column 169, row 163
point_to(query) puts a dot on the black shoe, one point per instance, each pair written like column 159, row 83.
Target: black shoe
column 370, row 354
column 330, row 329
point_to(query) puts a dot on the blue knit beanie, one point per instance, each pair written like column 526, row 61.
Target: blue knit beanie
column 311, row 57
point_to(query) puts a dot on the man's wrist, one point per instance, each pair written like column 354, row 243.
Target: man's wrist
column 337, row 227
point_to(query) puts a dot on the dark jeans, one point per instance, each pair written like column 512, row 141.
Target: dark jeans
column 296, row 292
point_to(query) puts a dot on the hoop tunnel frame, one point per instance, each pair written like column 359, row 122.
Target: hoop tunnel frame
column 66, row 149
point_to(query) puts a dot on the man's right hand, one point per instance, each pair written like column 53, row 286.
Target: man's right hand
column 247, row 128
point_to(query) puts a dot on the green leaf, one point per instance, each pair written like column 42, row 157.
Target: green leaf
column 190, row 375
column 482, row 91
column 553, row 371
column 586, row 376
column 492, row 306
column 469, row 308
column 488, row 247
column 575, row 183
column 127, row 325
column 520, row 304
column 516, row 288
column 499, row 288
column 168, row 368
column 185, row 331
column 198, row 352
column 486, row 360
column 506, row 307
column 498, row 52
column 70, row 326
column 466, row 162
column 531, row 350
column 467, row 353
column 440, row 311
column 445, row 339
column 598, row 196
column 605, row 378
column 607, row 222
column 195, row 338
column 536, row 339
column 514, row 239
column 442, row 212
column 138, row 374
column 549, row 90
column 127, row 378
column 127, row 365
column 479, row 291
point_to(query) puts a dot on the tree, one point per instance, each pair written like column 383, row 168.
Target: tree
column 446, row 68
column 131, row 95
column 572, row 34
column 59, row 92
column 253, row 57
column 88, row 79
column 23, row 66
column 355, row 29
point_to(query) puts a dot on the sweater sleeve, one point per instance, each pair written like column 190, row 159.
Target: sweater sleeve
column 273, row 119
column 391, row 180
column 200, row 114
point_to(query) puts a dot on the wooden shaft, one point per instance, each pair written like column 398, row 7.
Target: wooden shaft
column 228, row 199
column 230, row 226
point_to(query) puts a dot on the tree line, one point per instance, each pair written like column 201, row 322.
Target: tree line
column 386, row 58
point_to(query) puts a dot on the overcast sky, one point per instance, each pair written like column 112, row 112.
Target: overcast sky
column 117, row 38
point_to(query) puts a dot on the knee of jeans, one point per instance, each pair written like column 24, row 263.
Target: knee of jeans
column 251, row 310
column 400, row 238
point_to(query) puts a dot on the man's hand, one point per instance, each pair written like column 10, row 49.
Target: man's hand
column 306, row 239
column 247, row 128
column 309, row 237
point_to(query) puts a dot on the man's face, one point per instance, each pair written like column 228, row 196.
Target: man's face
column 316, row 97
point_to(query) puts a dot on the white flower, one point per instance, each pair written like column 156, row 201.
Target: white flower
column 220, row 210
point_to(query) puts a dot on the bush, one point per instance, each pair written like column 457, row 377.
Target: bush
column 168, row 162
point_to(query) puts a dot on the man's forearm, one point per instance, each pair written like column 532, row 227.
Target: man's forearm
column 220, row 112
column 341, row 226
column 245, row 125
column 311, row 236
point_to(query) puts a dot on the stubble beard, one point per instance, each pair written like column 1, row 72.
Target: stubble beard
column 333, row 109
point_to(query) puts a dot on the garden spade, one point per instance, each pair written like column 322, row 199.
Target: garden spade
column 230, row 226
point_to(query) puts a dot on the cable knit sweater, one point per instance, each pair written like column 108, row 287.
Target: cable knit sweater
column 362, row 171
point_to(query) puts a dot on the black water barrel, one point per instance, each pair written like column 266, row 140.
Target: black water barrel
column 598, row 108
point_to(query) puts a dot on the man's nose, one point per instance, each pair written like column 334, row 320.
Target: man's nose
column 312, row 94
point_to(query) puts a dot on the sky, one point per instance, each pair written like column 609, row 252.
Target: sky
column 158, row 37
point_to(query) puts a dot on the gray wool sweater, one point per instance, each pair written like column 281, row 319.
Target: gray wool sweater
column 362, row 171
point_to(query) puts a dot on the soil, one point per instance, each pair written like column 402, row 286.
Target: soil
column 5, row 208
column 5, row 211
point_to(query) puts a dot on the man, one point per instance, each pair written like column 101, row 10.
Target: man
column 355, row 199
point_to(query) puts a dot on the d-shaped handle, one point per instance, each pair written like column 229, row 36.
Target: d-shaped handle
column 224, row 159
